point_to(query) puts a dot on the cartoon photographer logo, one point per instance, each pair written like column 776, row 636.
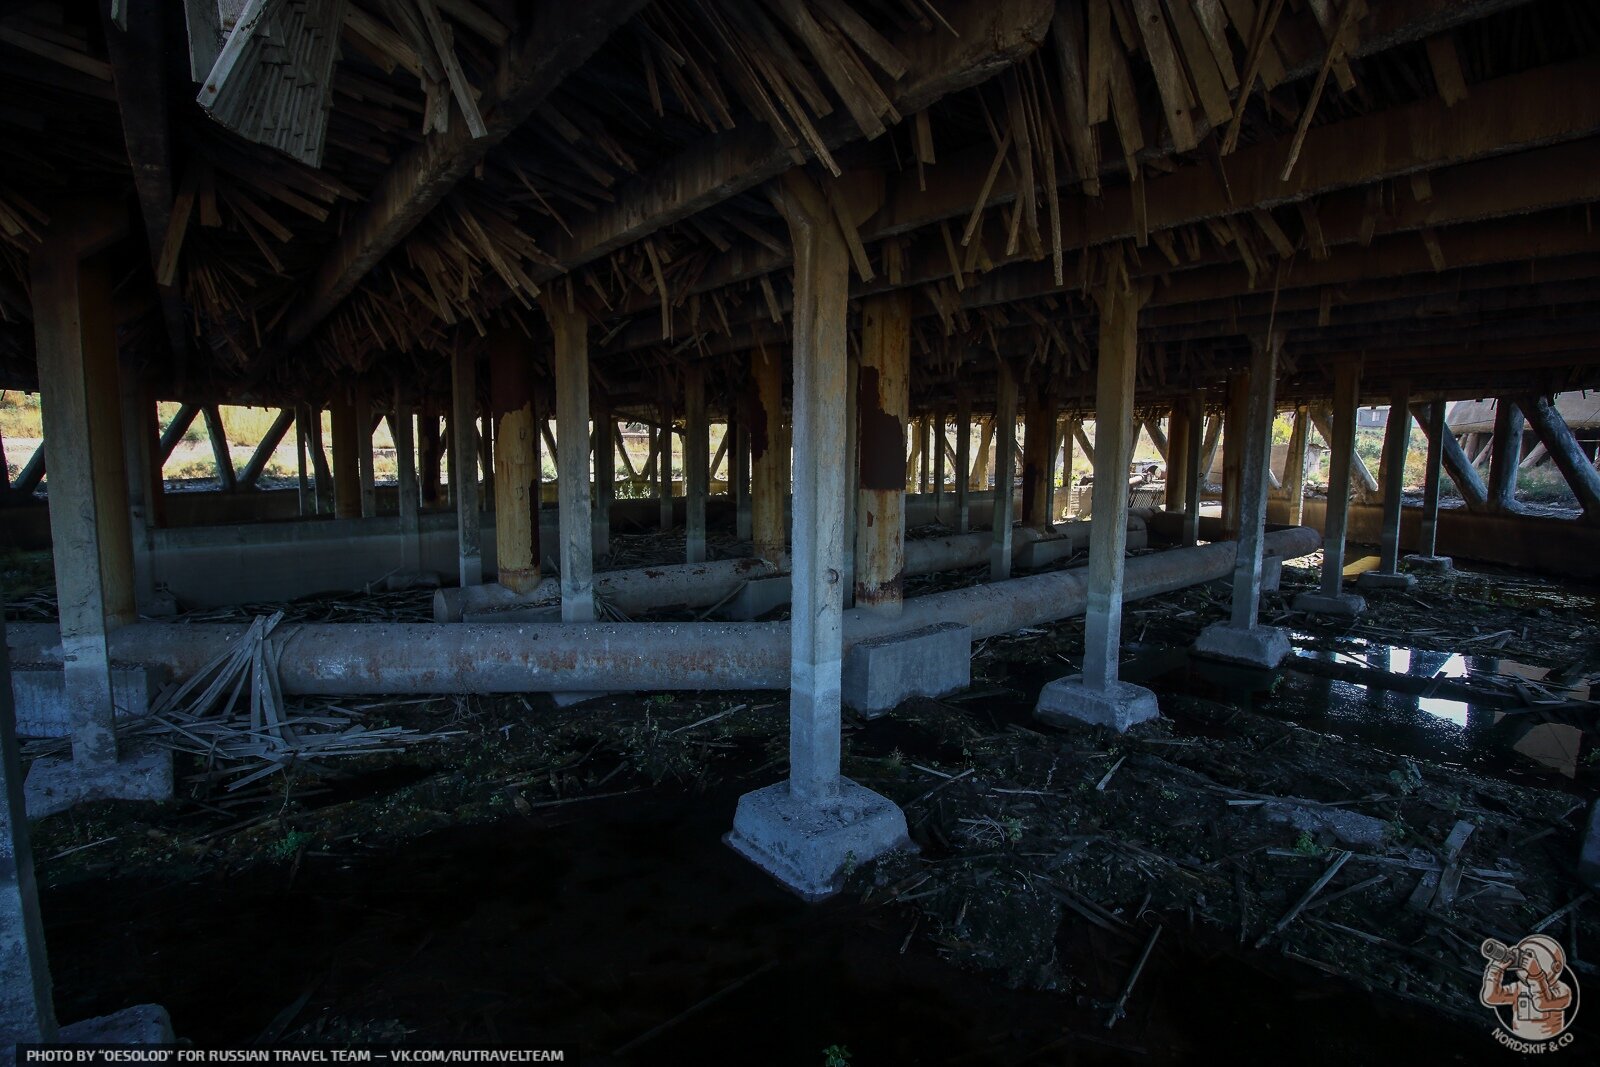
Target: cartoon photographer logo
column 1532, row 992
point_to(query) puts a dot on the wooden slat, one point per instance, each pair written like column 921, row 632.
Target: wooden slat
column 559, row 39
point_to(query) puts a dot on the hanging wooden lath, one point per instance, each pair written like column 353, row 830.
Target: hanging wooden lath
column 273, row 81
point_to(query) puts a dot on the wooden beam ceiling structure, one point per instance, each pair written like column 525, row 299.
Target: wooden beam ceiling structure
column 1405, row 178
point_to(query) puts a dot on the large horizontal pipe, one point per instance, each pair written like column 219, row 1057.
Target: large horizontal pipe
column 700, row 585
column 411, row 658
column 632, row 592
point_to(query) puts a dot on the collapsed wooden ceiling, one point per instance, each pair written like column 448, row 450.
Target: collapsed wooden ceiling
column 1408, row 180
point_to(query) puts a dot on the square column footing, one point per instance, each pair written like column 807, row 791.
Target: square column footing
column 1120, row 705
column 1256, row 646
column 1386, row 580
column 56, row 783
column 1347, row 605
column 757, row 597
column 142, row 1024
column 881, row 672
column 810, row 845
column 1432, row 564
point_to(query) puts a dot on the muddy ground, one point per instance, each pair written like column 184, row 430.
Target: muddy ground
column 527, row 873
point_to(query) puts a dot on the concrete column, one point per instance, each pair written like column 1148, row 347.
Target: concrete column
column 980, row 469
column 605, row 473
column 1241, row 639
column 429, row 454
column 138, row 452
column 1431, row 416
column 464, row 464
column 1233, row 447
column 664, row 463
column 852, row 489
column 1005, row 444
column 306, row 501
column 1565, row 452
column 1294, row 464
column 1506, row 457
column 516, row 467
column 1396, row 442
column 27, row 1013
column 1097, row 695
column 346, row 465
column 740, row 450
column 924, row 443
column 696, row 457
column 940, row 424
column 769, row 457
column 963, row 521
column 1038, row 456
column 75, row 341
column 883, row 402
column 1330, row 599
column 572, row 433
column 807, row 830
column 1069, row 490
column 322, row 483
column 364, row 456
column 1194, row 473
column 410, row 521
column 1177, row 457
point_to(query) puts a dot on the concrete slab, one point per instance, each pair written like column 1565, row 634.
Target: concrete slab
column 811, row 847
column 1346, row 605
column 1349, row 827
column 1431, row 564
column 40, row 694
column 757, row 597
column 1067, row 701
column 1589, row 853
column 1042, row 553
column 142, row 1024
column 56, row 783
column 882, row 672
column 1386, row 581
column 1258, row 646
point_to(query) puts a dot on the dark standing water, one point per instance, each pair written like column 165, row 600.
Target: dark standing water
column 599, row 922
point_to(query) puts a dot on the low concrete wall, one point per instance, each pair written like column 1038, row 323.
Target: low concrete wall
column 1567, row 547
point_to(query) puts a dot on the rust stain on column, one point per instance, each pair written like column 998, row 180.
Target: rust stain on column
column 769, row 460
column 516, row 461
column 1038, row 444
column 883, row 397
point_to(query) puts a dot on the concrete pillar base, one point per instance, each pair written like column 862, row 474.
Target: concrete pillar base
column 757, row 597
column 1067, row 701
column 142, row 1024
column 567, row 700
column 1384, row 580
column 40, row 698
column 882, row 672
column 1258, row 646
column 56, row 783
column 811, row 846
column 1347, row 605
column 1431, row 564
column 160, row 604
